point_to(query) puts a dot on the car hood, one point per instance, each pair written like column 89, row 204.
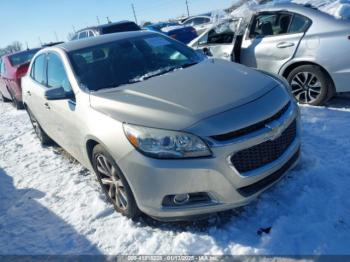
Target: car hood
column 182, row 98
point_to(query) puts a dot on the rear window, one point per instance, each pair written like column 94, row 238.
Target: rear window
column 124, row 27
column 299, row 24
column 23, row 57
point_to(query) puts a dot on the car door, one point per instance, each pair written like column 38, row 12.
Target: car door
column 64, row 122
column 2, row 85
column 219, row 40
column 272, row 39
column 34, row 91
column 4, row 79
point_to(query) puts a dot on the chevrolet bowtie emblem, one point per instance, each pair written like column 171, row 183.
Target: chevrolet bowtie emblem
column 275, row 132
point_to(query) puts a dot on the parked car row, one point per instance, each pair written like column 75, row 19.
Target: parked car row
column 122, row 26
column 12, row 68
column 184, row 34
column 167, row 131
column 199, row 23
column 304, row 45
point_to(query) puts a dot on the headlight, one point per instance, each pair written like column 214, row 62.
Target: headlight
column 159, row 143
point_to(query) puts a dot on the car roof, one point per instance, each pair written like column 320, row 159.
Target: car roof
column 306, row 10
column 104, row 25
column 21, row 52
column 102, row 39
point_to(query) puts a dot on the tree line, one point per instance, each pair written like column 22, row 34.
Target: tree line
column 11, row 48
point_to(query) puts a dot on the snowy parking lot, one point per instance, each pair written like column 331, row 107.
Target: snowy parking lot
column 49, row 204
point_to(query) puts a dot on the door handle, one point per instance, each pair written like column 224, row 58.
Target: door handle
column 29, row 93
column 47, row 106
column 284, row 44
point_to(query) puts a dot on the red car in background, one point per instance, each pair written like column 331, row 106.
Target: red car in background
column 12, row 68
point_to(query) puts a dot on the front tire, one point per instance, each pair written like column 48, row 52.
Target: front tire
column 310, row 85
column 45, row 140
column 113, row 183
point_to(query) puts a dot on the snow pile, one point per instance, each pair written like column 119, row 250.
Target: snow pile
column 338, row 8
column 49, row 204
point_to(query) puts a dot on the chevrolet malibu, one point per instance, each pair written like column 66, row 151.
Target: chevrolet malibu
column 166, row 131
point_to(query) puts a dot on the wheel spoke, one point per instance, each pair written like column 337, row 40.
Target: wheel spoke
column 111, row 182
column 102, row 167
column 299, row 79
column 313, row 97
column 300, row 96
column 306, row 97
column 106, row 181
column 314, row 90
column 121, row 195
column 111, row 191
column 123, row 198
column 113, row 171
column 297, row 90
column 102, row 170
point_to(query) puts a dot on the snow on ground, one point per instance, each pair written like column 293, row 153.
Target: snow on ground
column 49, row 204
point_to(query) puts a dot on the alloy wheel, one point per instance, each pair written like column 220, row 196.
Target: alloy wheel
column 111, row 182
column 306, row 87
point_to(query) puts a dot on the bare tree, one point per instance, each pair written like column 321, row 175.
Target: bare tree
column 12, row 48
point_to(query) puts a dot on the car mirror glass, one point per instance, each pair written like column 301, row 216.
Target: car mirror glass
column 57, row 93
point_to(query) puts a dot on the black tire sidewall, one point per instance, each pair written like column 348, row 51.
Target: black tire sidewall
column 45, row 140
column 323, row 78
column 132, row 210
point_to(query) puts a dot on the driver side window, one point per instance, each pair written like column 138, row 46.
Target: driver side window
column 56, row 73
column 270, row 24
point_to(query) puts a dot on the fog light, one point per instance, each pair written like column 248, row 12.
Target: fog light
column 181, row 199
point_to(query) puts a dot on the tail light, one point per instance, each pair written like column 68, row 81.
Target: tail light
column 22, row 70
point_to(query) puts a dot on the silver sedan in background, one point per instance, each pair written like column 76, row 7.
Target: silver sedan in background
column 311, row 49
column 167, row 131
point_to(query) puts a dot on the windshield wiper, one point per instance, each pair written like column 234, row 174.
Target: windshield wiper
column 150, row 75
column 188, row 64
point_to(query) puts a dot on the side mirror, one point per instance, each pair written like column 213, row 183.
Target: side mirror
column 201, row 53
column 57, row 93
column 206, row 51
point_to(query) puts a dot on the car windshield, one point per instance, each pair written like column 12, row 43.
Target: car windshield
column 22, row 57
column 130, row 60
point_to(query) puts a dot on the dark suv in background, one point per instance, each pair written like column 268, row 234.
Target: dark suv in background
column 109, row 28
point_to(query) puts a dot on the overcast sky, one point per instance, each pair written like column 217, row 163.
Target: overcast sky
column 28, row 21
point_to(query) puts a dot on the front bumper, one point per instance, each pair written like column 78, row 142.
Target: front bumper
column 151, row 180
